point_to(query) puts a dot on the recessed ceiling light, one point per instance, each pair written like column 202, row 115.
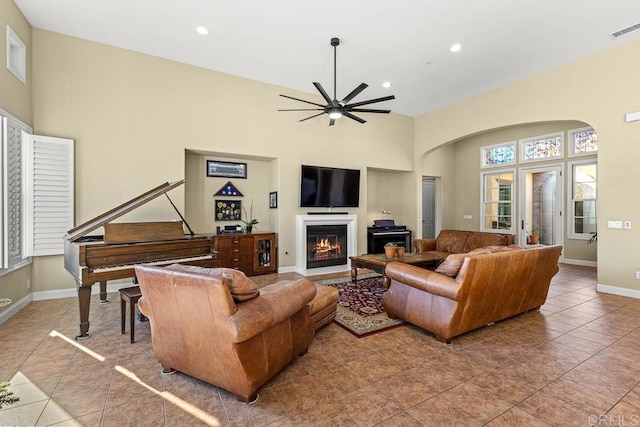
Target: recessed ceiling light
column 202, row 30
column 386, row 85
column 456, row 47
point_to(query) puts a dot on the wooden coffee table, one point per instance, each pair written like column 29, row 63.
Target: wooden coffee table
column 378, row 262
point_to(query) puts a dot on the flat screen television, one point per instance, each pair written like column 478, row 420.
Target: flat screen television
column 329, row 187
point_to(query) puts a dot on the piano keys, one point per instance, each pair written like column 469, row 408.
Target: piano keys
column 97, row 259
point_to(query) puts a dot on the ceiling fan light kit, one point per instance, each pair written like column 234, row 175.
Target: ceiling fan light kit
column 336, row 109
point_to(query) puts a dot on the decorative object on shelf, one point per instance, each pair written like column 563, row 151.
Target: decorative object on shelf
column 390, row 250
column 229, row 190
column 335, row 108
column 400, row 250
column 273, row 199
column 228, row 210
column 216, row 168
column 249, row 221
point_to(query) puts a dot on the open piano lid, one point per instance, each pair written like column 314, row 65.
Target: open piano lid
column 97, row 222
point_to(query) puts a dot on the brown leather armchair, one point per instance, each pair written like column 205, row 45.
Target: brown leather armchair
column 215, row 325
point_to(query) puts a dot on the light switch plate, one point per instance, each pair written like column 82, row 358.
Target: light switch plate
column 614, row 224
column 627, row 225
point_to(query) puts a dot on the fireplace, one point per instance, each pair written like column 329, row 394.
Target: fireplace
column 348, row 243
column 326, row 245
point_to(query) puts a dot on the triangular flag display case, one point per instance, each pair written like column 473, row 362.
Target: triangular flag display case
column 229, row 190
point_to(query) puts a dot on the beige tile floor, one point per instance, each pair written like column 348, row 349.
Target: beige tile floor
column 575, row 362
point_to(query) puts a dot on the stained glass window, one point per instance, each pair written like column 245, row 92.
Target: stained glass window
column 583, row 142
column 498, row 155
column 541, row 147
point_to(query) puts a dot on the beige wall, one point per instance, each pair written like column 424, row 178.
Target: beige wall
column 133, row 116
column 598, row 90
column 15, row 98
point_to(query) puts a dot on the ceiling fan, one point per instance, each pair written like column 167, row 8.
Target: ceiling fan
column 335, row 108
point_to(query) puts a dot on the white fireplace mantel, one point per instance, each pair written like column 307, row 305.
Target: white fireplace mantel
column 302, row 221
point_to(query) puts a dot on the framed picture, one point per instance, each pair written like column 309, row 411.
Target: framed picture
column 228, row 210
column 273, row 199
column 217, row 168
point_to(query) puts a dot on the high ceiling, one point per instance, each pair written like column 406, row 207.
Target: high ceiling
column 406, row 42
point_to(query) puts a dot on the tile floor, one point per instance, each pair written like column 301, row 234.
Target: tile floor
column 575, row 362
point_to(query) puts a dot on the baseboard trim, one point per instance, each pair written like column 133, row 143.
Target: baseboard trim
column 580, row 262
column 113, row 286
column 623, row 292
column 290, row 269
column 15, row 308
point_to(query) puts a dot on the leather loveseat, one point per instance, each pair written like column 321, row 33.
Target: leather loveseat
column 215, row 325
column 460, row 241
column 471, row 290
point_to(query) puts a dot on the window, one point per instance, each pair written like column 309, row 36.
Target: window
column 498, row 155
column 584, row 185
column 582, row 142
column 497, row 203
column 545, row 147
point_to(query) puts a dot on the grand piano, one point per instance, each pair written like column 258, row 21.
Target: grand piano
column 96, row 259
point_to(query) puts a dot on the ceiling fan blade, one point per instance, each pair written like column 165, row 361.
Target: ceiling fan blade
column 354, row 93
column 371, row 101
column 352, row 117
column 303, row 109
column 323, row 92
column 368, row 110
column 311, row 117
column 302, row 100
column 332, row 122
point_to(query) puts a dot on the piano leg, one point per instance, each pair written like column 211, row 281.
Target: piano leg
column 84, row 302
column 103, row 293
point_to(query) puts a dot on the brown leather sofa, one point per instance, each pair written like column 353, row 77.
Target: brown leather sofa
column 471, row 290
column 215, row 325
column 460, row 241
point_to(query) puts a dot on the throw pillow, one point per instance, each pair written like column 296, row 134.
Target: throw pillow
column 241, row 287
column 451, row 265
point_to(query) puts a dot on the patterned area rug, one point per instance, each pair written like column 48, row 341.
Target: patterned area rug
column 360, row 309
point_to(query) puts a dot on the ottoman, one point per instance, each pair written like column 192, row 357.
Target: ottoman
column 323, row 307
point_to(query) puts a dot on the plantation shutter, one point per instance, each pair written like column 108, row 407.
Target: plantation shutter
column 49, row 193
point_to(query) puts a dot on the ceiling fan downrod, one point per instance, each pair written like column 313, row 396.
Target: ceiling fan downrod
column 335, row 42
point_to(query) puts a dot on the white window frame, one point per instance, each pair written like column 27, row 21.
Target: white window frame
column 571, row 234
column 486, row 149
column 483, row 201
column 524, row 141
column 571, row 146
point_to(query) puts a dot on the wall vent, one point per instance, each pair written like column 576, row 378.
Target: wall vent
column 625, row 31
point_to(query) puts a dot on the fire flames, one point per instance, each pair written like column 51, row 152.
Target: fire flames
column 324, row 249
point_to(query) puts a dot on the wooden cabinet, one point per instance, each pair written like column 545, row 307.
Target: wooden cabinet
column 250, row 253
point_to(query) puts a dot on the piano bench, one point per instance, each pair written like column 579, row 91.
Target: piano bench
column 130, row 295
